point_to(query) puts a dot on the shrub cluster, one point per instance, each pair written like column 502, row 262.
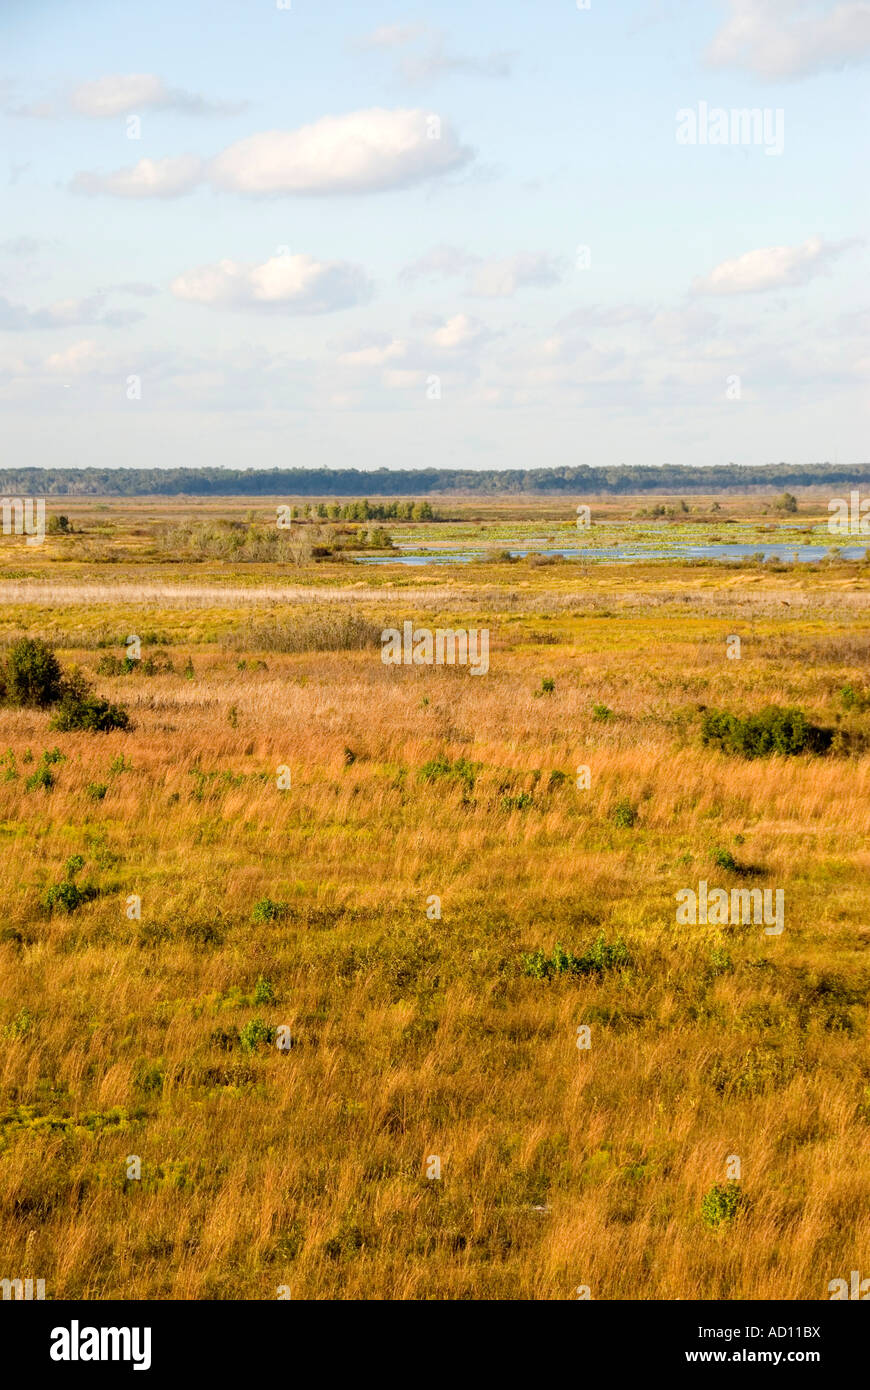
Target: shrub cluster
column 773, row 730
column 31, row 677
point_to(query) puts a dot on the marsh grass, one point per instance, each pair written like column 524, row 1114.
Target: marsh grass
column 415, row 1035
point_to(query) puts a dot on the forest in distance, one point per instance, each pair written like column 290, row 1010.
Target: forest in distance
column 387, row 482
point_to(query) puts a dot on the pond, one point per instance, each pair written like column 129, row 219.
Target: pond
column 624, row 553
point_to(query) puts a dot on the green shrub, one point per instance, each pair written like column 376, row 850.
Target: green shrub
column 722, row 1204
column 254, row 1033
column 68, row 895
column 96, row 790
column 624, row 814
column 774, row 730
column 264, row 991
column 89, row 713
column 720, row 961
column 724, row 859
column 32, row 674
column 601, row 713
column 516, row 803
column 601, row 956
column 268, row 911
column 441, row 768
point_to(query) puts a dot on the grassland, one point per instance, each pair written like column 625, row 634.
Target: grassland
column 413, row 1036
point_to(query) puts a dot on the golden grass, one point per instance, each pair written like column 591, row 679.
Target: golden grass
column 415, row 1037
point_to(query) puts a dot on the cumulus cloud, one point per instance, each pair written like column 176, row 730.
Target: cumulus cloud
column 788, row 38
column 117, row 94
column 363, row 152
column 296, row 284
column 770, row 268
column 366, row 151
column 150, row 178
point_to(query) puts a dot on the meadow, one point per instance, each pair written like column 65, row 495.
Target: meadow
column 287, row 1001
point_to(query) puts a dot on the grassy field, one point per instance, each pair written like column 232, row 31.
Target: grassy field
column 427, row 915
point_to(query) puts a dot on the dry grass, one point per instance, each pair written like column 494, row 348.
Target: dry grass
column 414, row 1037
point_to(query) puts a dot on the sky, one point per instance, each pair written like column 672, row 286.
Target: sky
column 524, row 234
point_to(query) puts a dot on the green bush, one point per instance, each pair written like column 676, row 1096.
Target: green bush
column 32, row 674
column 68, row 895
column 601, row 956
column 722, row 1204
column 601, row 714
column 268, row 911
column 624, row 814
column 264, row 991
column 774, row 730
column 441, row 768
column 89, row 713
column 255, row 1033
column 43, row 776
column 96, row 790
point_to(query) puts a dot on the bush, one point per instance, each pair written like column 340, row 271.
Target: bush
column 774, row 730
column 43, row 776
column 96, row 790
column 722, row 1204
column 624, row 814
column 32, row 674
column 89, row 713
column 268, row 911
column 601, row 714
column 441, row 768
column 601, row 956
column 724, row 859
column 264, row 991
column 255, row 1033
column 68, row 895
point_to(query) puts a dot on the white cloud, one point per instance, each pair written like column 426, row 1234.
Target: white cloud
column 501, row 279
column 117, row 94
column 292, row 283
column 375, row 355
column 150, row 178
column 770, row 268
column 80, row 358
column 460, row 331
column 65, row 313
column 788, row 38
column 441, row 260
column 488, row 279
column 366, row 151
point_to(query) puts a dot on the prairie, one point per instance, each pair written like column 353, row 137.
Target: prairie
column 387, row 908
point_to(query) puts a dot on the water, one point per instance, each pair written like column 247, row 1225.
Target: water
column 626, row 553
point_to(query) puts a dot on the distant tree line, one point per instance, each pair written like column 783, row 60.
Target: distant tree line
column 404, row 482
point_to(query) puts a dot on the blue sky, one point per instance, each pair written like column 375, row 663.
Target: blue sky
column 458, row 236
